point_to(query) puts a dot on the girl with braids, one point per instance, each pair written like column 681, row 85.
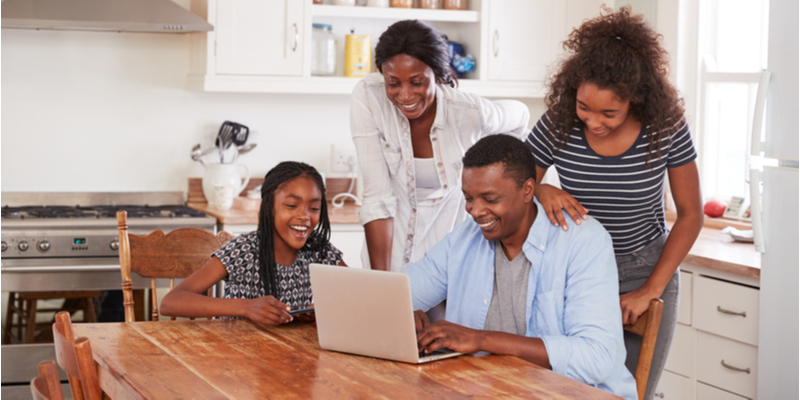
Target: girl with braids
column 266, row 271
column 614, row 129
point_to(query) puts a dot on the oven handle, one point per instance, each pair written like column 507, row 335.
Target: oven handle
column 85, row 268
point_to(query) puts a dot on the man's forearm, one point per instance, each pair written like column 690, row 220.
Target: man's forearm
column 526, row 348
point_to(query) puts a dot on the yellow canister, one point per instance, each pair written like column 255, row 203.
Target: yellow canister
column 357, row 55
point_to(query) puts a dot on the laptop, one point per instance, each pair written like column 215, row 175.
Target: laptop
column 368, row 313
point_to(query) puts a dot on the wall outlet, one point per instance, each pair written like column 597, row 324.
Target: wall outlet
column 343, row 158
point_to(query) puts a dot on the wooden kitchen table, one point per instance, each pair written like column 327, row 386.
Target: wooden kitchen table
column 241, row 359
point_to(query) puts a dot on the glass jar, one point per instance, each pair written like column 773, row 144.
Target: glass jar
column 323, row 51
column 455, row 4
column 402, row 3
column 429, row 4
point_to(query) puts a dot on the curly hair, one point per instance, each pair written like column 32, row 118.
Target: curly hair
column 621, row 52
column 418, row 40
column 518, row 161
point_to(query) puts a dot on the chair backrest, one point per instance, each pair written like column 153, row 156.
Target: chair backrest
column 175, row 255
column 647, row 327
column 47, row 386
column 74, row 356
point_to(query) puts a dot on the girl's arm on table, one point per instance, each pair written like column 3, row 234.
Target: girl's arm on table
column 685, row 184
column 188, row 299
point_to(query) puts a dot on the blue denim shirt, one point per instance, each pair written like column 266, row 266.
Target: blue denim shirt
column 572, row 300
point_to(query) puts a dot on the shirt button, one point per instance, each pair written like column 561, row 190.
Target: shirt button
column 414, row 210
column 541, row 247
column 433, row 139
column 445, row 186
column 410, row 235
column 485, row 301
column 387, row 146
column 440, row 165
column 406, row 260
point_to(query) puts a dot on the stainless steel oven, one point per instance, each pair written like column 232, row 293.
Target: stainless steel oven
column 69, row 241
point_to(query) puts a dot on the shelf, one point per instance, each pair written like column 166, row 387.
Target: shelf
column 342, row 85
column 395, row 13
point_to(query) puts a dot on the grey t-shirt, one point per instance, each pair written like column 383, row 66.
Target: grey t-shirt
column 507, row 309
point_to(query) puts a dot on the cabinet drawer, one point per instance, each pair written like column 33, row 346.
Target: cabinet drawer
column 726, row 309
column 673, row 387
column 685, row 307
column 682, row 353
column 706, row 392
column 725, row 363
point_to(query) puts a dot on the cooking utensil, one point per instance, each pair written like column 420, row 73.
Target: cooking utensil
column 243, row 150
column 197, row 153
column 240, row 134
column 230, row 133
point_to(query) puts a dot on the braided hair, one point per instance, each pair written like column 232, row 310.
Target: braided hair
column 621, row 52
column 316, row 242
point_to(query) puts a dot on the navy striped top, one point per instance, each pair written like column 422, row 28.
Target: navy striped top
column 621, row 191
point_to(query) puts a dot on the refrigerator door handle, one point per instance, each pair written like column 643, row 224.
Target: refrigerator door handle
column 758, row 114
column 755, row 210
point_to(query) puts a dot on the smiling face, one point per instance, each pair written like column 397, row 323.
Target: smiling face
column 601, row 110
column 410, row 85
column 297, row 210
column 500, row 207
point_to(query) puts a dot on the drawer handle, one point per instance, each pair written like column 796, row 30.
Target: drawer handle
column 729, row 312
column 728, row 366
column 660, row 395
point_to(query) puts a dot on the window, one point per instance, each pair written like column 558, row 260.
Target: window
column 732, row 47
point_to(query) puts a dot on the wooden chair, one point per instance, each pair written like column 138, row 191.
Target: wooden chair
column 647, row 327
column 24, row 305
column 47, row 386
column 175, row 255
column 74, row 356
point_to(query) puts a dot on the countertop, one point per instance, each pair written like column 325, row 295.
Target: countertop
column 348, row 214
column 720, row 252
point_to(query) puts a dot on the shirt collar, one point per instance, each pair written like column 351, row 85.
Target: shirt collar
column 537, row 236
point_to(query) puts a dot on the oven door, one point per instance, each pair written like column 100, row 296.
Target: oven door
column 19, row 361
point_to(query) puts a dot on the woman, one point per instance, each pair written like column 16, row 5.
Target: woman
column 411, row 128
column 266, row 271
column 614, row 130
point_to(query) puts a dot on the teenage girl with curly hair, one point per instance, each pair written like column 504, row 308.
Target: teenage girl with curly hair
column 614, row 129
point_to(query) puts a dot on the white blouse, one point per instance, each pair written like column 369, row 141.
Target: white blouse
column 382, row 136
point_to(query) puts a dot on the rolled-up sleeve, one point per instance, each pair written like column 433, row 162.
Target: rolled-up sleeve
column 378, row 200
column 592, row 318
column 428, row 276
column 508, row 117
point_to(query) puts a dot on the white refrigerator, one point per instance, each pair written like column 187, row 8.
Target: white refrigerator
column 776, row 226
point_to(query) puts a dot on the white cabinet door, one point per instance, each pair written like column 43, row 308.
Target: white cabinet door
column 349, row 238
column 259, row 37
column 524, row 36
column 673, row 387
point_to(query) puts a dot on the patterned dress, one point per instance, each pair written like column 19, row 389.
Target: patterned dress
column 240, row 258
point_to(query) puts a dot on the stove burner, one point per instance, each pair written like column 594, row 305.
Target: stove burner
column 100, row 212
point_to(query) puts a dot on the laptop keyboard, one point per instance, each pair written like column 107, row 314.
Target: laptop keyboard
column 440, row 351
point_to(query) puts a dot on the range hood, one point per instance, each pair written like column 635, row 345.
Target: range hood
column 162, row 16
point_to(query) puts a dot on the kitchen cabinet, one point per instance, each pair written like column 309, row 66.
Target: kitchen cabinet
column 256, row 37
column 265, row 46
column 714, row 353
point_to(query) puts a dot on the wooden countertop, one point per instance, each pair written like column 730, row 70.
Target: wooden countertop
column 719, row 251
column 345, row 215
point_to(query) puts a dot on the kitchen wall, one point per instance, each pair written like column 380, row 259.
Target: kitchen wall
column 102, row 111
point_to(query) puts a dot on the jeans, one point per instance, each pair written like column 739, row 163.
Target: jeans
column 634, row 269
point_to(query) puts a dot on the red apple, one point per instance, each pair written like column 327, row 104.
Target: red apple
column 714, row 208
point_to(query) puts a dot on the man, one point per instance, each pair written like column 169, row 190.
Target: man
column 516, row 284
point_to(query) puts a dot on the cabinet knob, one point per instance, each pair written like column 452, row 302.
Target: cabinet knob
column 495, row 41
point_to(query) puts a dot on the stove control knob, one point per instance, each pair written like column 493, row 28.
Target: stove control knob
column 44, row 245
column 23, row 246
column 114, row 245
column 4, row 246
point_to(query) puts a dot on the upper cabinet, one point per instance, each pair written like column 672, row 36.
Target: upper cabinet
column 265, row 46
column 256, row 37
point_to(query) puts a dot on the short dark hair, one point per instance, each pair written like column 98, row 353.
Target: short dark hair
column 516, row 158
column 419, row 40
